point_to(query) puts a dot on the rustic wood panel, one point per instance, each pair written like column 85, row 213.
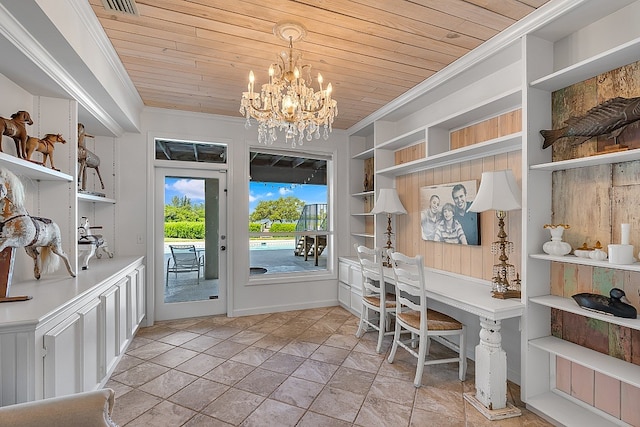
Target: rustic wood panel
column 580, row 198
column 396, row 45
column 414, row 152
column 369, row 175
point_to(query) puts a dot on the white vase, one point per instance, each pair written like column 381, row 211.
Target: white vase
column 556, row 246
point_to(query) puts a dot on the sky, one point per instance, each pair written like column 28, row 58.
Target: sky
column 258, row 191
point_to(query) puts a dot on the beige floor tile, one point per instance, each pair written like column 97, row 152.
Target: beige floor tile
column 165, row 414
column 226, row 349
column 202, row 420
column 300, row 348
column 313, row 370
column 229, row 372
column 297, row 392
column 233, row 406
column 178, row 338
column 337, row 403
column 272, row 343
column 378, row 412
column 352, row 380
column 363, row 361
column 200, row 364
column 135, row 404
column 274, row 413
column 254, row 356
column 174, row 357
column 168, row 383
column 247, row 337
column 223, row 331
column 434, row 399
column 393, row 389
column 201, row 343
column 329, row 354
column 347, row 342
column 283, row 363
column 261, row 381
column 151, row 350
column 311, row 419
column 199, row 394
column 421, row 418
column 140, row 374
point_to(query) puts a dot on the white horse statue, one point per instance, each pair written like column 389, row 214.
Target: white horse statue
column 39, row 236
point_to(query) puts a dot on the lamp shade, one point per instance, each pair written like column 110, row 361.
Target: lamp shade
column 388, row 202
column 498, row 191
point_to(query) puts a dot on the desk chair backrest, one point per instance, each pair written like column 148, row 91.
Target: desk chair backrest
column 372, row 270
column 409, row 280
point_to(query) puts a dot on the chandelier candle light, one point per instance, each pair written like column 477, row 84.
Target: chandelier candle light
column 388, row 202
column 286, row 102
column 499, row 191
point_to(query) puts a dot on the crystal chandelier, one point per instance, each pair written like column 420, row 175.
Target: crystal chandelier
column 286, row 102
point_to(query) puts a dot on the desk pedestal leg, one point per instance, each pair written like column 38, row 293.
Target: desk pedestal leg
column 491, row 374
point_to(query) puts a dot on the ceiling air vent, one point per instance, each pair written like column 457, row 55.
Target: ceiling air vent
column 124, row 6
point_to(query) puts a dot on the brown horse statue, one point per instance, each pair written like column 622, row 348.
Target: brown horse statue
column 87, row 159
column 16, row 129
column 44, row 146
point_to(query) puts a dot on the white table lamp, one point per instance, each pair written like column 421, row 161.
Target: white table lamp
column 388, row 202
column 499, row 191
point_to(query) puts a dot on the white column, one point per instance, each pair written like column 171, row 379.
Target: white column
column 491, row 374
column 491, row 366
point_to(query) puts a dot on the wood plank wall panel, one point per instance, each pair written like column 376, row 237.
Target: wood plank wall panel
column 495, row 127
column 414, row 152
column 474, row 261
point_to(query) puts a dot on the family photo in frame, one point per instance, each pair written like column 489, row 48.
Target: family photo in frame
column 444, row 216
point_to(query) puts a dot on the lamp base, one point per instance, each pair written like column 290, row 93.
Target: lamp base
column 506, row 294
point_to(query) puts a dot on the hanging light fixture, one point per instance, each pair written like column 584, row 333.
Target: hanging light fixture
column 286, row 102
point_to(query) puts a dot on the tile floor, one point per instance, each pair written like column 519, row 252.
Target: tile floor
column 300, row 368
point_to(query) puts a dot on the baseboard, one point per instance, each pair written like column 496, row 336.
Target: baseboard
column 281, row 308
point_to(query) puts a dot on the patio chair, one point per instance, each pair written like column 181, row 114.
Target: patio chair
column 184, row 259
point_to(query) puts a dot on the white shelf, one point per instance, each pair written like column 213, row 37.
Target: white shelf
column 365, row 235
column 613, row 58
column 91, row 198
column 572, row 259
column 507, row 101
column 27, row 169
column 363, row 194
column 569, row 305
column 366, row 154
column 405, row 140
column 600, row 159
column 492, row 147
column 605, row 364
column 565, row 412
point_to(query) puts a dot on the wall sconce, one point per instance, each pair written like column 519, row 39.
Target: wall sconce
column 499, row 191
column 388, row 202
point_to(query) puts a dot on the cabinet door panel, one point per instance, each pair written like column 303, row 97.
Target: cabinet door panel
column 141, row 294
column 91, row 339
column 109, row 305
column 132, row 312
column 123, row 331
column 63, row 358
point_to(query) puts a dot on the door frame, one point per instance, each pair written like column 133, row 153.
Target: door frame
column 179, row 310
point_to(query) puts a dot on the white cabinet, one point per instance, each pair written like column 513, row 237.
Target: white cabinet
column 71, row 335
column 350, row 285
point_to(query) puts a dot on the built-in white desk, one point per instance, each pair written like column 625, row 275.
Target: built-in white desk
column 474, row 296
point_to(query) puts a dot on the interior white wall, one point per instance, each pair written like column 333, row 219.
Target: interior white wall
column 134, row 165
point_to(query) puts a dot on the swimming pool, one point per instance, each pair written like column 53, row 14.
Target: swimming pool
column 261, row 245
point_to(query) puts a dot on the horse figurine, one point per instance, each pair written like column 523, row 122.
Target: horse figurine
column 44, row 146
column 86, row 158
column 20, row 230
column 16, row 129
column 90, row 244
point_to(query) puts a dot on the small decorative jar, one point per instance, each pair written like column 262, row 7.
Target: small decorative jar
column 598, row 254
column 556, row 246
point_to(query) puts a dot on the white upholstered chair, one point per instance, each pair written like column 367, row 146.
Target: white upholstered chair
column 413, row 315
column 374, row 297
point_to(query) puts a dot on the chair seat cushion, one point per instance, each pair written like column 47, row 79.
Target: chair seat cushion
column 436, row 321
column 390, row 301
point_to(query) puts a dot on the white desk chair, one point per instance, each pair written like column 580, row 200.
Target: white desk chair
column 412, row 315
column 374, row 296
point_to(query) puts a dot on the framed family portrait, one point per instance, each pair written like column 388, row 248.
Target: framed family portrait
column 444, row 216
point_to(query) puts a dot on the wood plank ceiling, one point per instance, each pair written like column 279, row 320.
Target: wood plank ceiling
column 195, row 55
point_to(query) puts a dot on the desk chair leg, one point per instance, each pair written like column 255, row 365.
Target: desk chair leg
column 381, row 330
column 462, row 368
column 361, row 327
column 422, row 354
column 394, row 346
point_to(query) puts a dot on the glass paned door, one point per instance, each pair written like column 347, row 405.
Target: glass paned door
column 191, row 249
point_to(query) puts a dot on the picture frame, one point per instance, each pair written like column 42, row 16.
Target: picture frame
column 443, row 213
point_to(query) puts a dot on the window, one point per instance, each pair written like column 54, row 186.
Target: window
column 288, row 212
column 190, row 151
